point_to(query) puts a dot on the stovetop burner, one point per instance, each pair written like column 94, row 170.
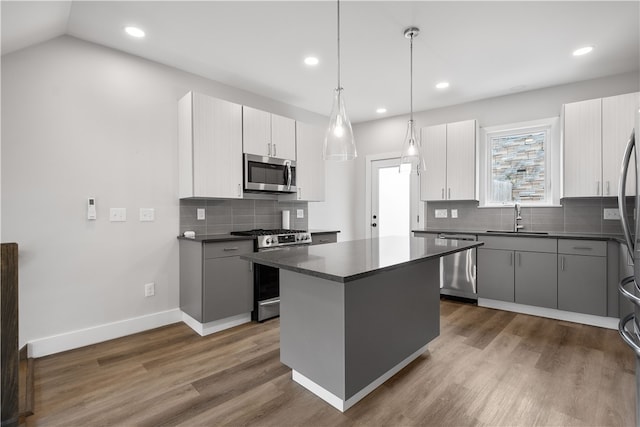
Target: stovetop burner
column 267, row 232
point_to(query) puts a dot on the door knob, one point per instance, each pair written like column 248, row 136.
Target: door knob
column 374, row 225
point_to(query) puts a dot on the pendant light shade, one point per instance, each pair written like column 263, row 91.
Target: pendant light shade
column 411, row 159
column 339, row 143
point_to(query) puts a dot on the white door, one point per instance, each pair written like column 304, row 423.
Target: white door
column 395, row 199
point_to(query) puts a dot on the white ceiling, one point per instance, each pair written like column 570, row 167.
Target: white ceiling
column 484, row 49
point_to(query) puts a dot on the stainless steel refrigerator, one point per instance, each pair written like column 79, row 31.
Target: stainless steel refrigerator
column 629, row 325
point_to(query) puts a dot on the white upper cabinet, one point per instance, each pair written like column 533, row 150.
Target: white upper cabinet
column 618, row 118
column 310, row 176
column 450, row 161
column 596, row 132
column 266, row 134
column 583, row 148
column 209, row 147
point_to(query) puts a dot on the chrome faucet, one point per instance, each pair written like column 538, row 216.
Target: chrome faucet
column 517, row 218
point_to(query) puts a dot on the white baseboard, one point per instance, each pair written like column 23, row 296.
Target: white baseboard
column 83, row 337
column 586, row 319
column 343, row 405
column 217, row 325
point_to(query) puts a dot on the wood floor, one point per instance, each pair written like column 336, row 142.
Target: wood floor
column 488, row 367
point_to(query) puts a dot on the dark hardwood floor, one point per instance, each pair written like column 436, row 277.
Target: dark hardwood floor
column 488, row 367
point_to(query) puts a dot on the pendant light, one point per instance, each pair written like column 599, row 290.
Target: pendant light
column 338, row 141
column 411, row 160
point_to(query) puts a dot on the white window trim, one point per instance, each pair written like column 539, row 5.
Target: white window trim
column 552, row 159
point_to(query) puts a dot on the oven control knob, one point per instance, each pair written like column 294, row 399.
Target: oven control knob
column 268, row 241
column 305, row 237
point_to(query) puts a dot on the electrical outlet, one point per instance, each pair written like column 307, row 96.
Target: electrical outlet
column 200, row 214
column 441, row 213
column 612, row 214
column 299, row 213
column 149, row 289
column 454, row 213
column 117, row 214
column 147, row 214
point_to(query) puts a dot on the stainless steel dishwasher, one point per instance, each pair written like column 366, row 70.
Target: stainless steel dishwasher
column 458, row 271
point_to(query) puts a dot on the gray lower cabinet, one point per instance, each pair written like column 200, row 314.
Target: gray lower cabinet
column 582, row 284
column 214, row 282
column 495, row 274
column 536, row 279
column 322, row 238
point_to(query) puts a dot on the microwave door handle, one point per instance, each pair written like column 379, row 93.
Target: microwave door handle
column 622, row 204
column 289, row 177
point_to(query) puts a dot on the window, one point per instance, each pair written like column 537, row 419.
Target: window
column 522, row 162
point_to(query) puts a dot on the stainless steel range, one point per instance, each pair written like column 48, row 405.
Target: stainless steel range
column 266, row 280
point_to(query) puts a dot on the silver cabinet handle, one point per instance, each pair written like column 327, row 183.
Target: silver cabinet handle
column 608, row 188
column 597, row 188
column 582, row 248
column 622, row 186
column 230, row 249
column 626, row 335
column 272, row 302
column 519, row 259
column 442, row 193
column 510, row 258
column 449, row 193
column 268, row 149
column 299, row 193
column 562, row 263
column 274, row 150
column 239, row 190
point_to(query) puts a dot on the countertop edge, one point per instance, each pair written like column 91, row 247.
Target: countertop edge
column 211, row 238
column 551, row 235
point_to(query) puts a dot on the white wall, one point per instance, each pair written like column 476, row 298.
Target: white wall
column 346, row 202
column 81, row 120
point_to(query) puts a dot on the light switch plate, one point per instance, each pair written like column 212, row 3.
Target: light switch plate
column 299, row 213
column 441, row 213
column 454, row 213
column 612, row 214
column 117, row 214
column 147, row 214
column 200, row 214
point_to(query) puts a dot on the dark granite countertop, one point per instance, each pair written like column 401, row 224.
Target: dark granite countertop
column 347, row 261
column 550, row 235
column 210, row 238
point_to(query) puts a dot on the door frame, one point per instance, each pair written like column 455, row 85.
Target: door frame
column 368, row 196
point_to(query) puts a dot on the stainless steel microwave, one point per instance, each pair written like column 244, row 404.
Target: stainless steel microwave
column 269, row 174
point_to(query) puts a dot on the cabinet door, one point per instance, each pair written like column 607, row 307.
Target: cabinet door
column 283, row 137
column 536, row 279
column 433, row 181
column 582, row 284
column 582, row 148
column 227, row 288
column 461, row 160
column 310, row 175
column 618, row 116
column 217, row 148
column 256, row 128
column 496, row 274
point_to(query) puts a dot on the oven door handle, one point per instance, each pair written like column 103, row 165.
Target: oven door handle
column 270, row 302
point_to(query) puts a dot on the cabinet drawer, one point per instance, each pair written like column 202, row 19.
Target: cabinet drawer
column 225, row 249
column 582, row 247
column 528, row 244
column 320, row 239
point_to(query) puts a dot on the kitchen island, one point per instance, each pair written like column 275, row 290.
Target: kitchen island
column 352, row 314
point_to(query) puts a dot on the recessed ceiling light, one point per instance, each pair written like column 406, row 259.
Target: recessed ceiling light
column 134, row 32
column 381, row 110
column 311, row 60
column 442, row 85
column 582, row 51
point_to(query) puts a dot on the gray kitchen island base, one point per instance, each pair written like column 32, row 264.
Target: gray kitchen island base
column 342, row 340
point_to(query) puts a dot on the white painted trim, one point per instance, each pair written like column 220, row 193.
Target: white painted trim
column 367, row 183
column 343, row 405
column 95, row 334
column 217, row 325
column 586, row 319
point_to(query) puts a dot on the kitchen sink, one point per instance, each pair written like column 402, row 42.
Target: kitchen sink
column 517, row 232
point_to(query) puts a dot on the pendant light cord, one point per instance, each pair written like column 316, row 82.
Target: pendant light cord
column 338, row 45
column 411, row 74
